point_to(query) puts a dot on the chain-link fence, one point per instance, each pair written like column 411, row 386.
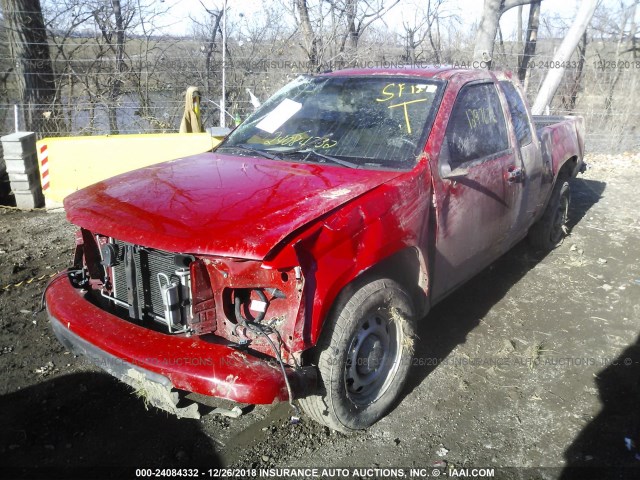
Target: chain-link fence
column 600, row 90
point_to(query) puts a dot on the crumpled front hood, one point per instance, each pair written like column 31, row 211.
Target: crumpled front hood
column 217, row 204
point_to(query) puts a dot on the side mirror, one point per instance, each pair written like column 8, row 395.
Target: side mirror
column 220, row 131
column 445, row 165
column 456, row 173
column 447, row 173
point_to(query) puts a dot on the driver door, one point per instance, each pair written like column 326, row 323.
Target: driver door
column 474, row 199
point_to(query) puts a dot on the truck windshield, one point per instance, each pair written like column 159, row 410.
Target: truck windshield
column 357, row 122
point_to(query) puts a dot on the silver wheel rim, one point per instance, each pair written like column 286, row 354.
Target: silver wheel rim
column 373, row 358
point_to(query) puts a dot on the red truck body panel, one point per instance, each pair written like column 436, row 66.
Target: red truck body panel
column 215, row 204
column 331, row 222
column 195, row 364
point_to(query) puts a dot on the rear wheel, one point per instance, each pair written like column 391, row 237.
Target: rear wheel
column 549, row 232
column 363, row 357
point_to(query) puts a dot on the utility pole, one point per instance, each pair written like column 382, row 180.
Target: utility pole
column 563, row 55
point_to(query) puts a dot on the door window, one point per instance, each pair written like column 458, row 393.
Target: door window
column 518, row 113
column 477, row 127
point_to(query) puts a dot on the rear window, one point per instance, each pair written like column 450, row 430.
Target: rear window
column 518, row 113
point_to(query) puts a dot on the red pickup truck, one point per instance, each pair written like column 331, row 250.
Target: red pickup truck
column 294, row 261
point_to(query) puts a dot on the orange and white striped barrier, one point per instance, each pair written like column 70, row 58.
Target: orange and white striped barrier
column 43, row 156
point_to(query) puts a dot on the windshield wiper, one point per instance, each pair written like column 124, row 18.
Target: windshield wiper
column 243, row 146
column 311, row 151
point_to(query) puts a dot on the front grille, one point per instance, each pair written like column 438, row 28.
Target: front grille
column 148, row 263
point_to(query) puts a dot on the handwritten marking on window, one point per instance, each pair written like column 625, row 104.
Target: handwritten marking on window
column 478, row 117
column 301, row 139
column 393, row 91
column 406, row 112
column 397, row 90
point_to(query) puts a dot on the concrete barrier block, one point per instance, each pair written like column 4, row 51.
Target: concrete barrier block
column 18, row 144
column 24, row 165
column 24, row 181
column 28, row 199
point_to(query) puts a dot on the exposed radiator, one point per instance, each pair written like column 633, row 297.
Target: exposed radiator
column 148, row 264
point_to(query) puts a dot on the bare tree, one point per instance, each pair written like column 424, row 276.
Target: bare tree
column 113, row 21
column 331, row 30
column 624, row 44
column 254, row 41
column 488, row 28
column 413, row 38
column 530, row 43
column 569, row 100
column 6, row 67
column 209, row 31
column 358, row 15
column 311, row 38
column 427, row 19
column 62, row 20
column 145, row 72
column 34, row 72
column 96, row 64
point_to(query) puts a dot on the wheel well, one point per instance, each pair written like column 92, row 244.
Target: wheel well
column 568, row 169
column 405, row 267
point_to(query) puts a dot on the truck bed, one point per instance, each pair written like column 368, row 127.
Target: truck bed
column 561, row 137
column 542, row 121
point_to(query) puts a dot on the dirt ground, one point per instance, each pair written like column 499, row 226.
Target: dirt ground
column 534, row 363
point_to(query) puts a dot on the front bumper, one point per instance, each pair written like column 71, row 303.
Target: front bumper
column 204, row 365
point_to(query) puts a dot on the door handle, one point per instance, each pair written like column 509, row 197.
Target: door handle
column 515, row 175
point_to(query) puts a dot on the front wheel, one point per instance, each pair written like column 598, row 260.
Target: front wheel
column 363, row 357
column 548, row 232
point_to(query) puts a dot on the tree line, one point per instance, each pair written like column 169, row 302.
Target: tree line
column 110, row 66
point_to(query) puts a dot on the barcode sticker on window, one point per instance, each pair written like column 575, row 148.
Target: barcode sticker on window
column 276, row 117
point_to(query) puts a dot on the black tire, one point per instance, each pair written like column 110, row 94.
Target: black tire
column 363, row 357
column 549, row 232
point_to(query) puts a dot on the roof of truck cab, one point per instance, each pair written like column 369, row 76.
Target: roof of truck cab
column 437, row 72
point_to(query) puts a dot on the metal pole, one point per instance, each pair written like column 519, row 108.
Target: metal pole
column 223, row 101
column 562, row 56
column 15, row 117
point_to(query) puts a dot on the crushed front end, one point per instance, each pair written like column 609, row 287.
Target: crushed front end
column 221, row 327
